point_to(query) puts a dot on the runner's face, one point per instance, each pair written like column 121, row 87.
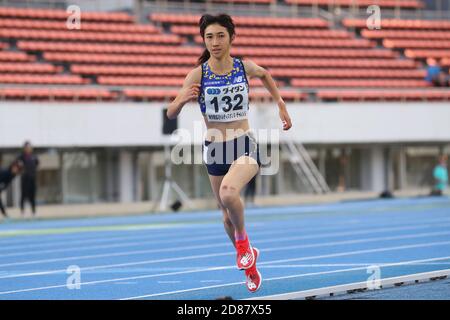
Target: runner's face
column 217, row 40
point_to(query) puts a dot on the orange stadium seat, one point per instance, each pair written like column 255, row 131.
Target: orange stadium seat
column 56, row 94
column 42, row 79
column 402, row 34
column 289, row 42
column 186, row 30
column 313, row 53
column 191, row 60
column 244, row 21
column 130, row 70
column 435, row 53
column 334, row 63
column 357, row 83
column 108, row 48
column 383, row 95
column 420, row 39
column 76, row 35
column 29, row 68
column 156, row 81
column 35, row 13
column 16, row 56
column 113, row 50
column 423, row 44
column 400, row 24
column 411, row 4
column 86, row 26
column 119, row 58
column 349, row 73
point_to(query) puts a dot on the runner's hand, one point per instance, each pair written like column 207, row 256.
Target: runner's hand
column 284, row 115
column 190, row 93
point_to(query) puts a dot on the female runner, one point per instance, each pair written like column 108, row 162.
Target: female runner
column 230, row 152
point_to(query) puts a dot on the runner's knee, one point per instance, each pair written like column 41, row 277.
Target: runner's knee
column 228, row 194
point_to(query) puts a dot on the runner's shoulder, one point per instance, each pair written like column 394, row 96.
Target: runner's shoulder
column 194, row 76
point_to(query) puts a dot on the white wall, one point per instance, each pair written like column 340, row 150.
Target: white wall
column 139, row 124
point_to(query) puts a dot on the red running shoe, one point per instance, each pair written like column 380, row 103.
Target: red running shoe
column 245, row 257
column 253, row 277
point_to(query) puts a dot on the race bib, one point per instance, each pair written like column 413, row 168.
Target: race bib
column 225, row 104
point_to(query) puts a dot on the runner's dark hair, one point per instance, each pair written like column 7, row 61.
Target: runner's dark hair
column 224, row 20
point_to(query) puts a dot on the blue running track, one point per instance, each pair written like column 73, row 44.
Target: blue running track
column 189, row 256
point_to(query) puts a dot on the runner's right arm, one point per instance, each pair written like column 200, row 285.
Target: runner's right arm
column 189, row 91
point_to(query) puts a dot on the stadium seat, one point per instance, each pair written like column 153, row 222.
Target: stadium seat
column 400, row 24
column 16, row 56
column 113, row 50
column 188, row 30
column 46, row 93
column 334, row 63
column 405, row 4
column 349, row 73
column 119, row 58
column 42, row 79
column 108, row 48
column 244, row 41
column 76, row 35
column 29, row 68
column 357, row 83
column 383, row 95
column 34, row 13
column 244, row 21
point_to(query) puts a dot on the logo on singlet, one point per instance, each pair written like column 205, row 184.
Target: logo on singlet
column 213, row 91
column 237, row 79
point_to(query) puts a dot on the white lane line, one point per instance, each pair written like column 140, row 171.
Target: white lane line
column 65, row 244
column 328, row 265
column 254, row 234
column 67, row 237
column 301, row 275
column 353, row 286
column 57, row 243
column 50, row 239
column 314, row 245
column 325, row 235
column 223, row 236
column 196, row 270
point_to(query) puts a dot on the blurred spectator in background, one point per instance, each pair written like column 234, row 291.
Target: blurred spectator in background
column 7, row 175
column 28, row 180
column 433, row 72
column 440, row 175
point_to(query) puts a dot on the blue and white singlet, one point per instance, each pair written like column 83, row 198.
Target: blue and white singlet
column 224, row 98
